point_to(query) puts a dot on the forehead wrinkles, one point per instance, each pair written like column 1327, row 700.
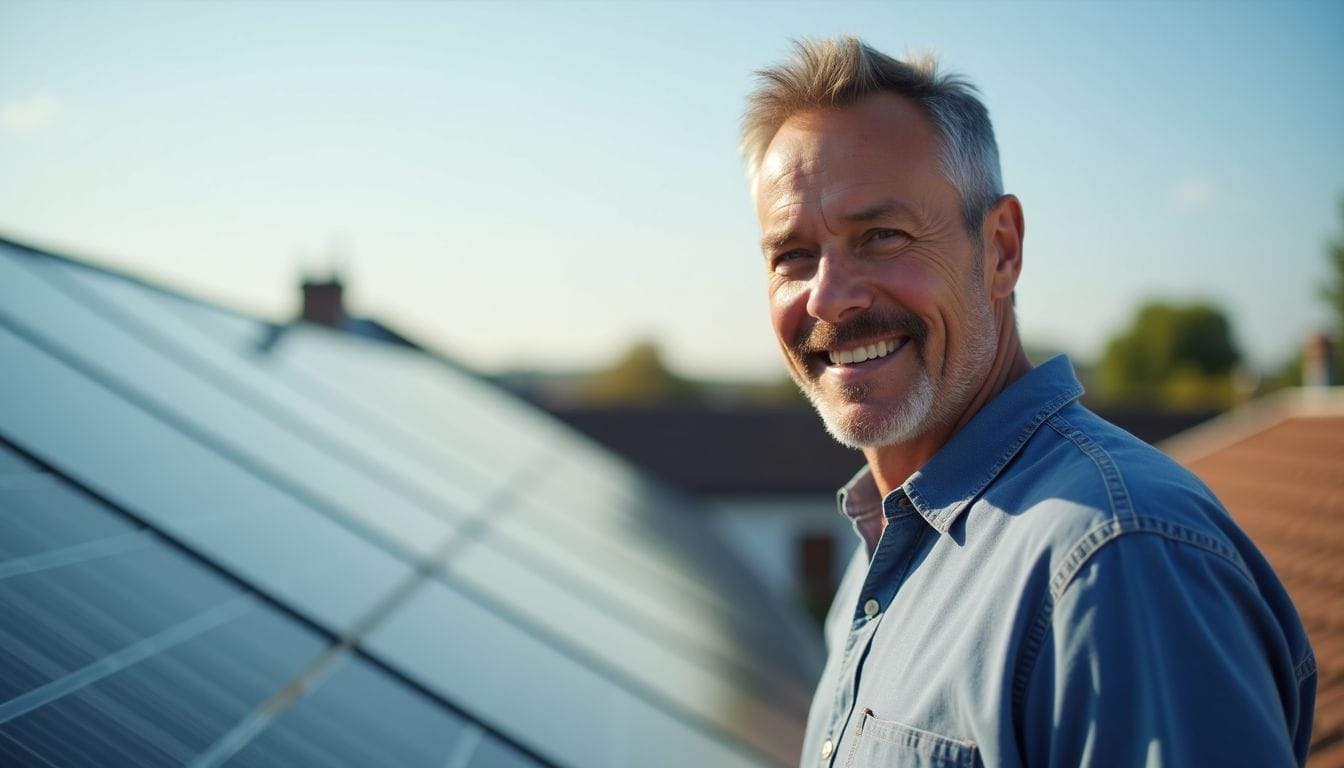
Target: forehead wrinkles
column 794, row 194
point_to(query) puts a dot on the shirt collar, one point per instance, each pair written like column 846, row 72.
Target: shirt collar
column 947, row 484
column 860, row 501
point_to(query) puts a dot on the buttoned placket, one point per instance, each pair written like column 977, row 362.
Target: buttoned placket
column 900, row 540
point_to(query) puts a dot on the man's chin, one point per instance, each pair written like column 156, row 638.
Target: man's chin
column 853, row 426
column 868, row 425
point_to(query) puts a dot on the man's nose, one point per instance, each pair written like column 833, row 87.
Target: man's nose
column 838, row 290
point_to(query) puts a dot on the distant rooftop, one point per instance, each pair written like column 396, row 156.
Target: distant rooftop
column 718, row 451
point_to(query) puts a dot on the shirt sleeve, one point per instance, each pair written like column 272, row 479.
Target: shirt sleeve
column 1162, row 653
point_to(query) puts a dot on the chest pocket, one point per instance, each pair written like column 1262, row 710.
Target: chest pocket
column 888, row 743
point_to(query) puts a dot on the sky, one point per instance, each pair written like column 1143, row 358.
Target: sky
column 539, row 185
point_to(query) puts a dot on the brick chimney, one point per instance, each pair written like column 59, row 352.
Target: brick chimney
column 323, row 302
column 1318, row 360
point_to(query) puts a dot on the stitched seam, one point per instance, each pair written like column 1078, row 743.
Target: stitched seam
column 1031, row 651
column 942, row 522
column 1110, row 530
column 1078, row 556
column 1118, row 493
column 1306, row 668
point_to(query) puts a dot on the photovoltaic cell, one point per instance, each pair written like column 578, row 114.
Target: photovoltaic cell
column 357, row 716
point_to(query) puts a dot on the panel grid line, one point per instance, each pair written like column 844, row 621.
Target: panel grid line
column 128, row 656
column 78, row 553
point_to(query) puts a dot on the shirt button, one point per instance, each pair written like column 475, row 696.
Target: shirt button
column 826, row 749
column 871, row 608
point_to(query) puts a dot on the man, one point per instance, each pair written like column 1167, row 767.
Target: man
column 1035, row 587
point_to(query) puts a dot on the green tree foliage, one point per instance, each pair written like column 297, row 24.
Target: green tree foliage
column 1332, row 291
column 639, row 377
column 1172, row 355
column 1333, row 288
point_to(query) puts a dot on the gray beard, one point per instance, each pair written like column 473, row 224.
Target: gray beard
column 904, row 423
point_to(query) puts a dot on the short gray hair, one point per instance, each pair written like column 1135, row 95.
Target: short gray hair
column 839, row 72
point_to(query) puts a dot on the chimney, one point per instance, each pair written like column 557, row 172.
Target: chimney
column 323, row 303
column 1318, row 361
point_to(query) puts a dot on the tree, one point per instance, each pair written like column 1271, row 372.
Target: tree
column 1332, row 290
column 639, row 377
column 1178, row 356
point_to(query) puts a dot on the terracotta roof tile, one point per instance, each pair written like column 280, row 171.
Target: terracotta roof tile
column 1281, row 474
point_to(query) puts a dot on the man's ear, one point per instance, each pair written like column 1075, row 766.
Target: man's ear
column 1002, row 234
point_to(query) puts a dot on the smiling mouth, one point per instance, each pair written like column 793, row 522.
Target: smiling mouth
column 866, row 352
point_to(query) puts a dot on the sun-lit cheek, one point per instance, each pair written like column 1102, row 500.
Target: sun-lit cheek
column 784, row 290
column 788, row 308
column 786, row 296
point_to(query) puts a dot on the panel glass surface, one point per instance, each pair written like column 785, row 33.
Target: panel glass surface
column 145, row 657
column 241, row 368
column 523, row 686
column 303, row 558
column 650, row 547
column 59, row 620
column 191, row 398
column 39, row 514
column 357, row 716
column 637, row 512
column 492, row 753
column 171, row 706
column 640, row 598
column 426, row 396
column 688, row 682
column 577, row 611
column 12, row 463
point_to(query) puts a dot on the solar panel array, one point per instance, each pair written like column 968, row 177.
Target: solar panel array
column 223, row 542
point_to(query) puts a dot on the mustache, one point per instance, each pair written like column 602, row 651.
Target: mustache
column 866, row 326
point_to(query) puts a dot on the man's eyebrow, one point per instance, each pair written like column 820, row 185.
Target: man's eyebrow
column 774, row 239
column 882, row 210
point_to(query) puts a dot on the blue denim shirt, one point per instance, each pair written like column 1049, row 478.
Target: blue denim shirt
column 1051, row 591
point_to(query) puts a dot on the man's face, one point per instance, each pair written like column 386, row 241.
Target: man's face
column 877, row 292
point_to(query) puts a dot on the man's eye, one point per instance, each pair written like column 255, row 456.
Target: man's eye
column 789, row 260
column 887, row 234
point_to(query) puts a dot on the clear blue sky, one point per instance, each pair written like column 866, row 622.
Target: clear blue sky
column 539, row 184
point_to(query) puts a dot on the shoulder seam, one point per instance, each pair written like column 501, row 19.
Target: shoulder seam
column 1083, row 551
column 1116, row 490
column 1110, row 530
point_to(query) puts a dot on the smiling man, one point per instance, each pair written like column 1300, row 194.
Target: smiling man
column 1033, row 586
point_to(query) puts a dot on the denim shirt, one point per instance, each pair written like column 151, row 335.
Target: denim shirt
column 1051, row 591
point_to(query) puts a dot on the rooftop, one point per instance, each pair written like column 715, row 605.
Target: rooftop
column 1278, row 465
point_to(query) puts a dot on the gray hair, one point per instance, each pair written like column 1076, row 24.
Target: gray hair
column 839, row 72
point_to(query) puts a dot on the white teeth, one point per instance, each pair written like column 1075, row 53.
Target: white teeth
column 880, row 349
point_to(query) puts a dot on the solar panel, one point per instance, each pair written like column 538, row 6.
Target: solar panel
column 227, row 542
